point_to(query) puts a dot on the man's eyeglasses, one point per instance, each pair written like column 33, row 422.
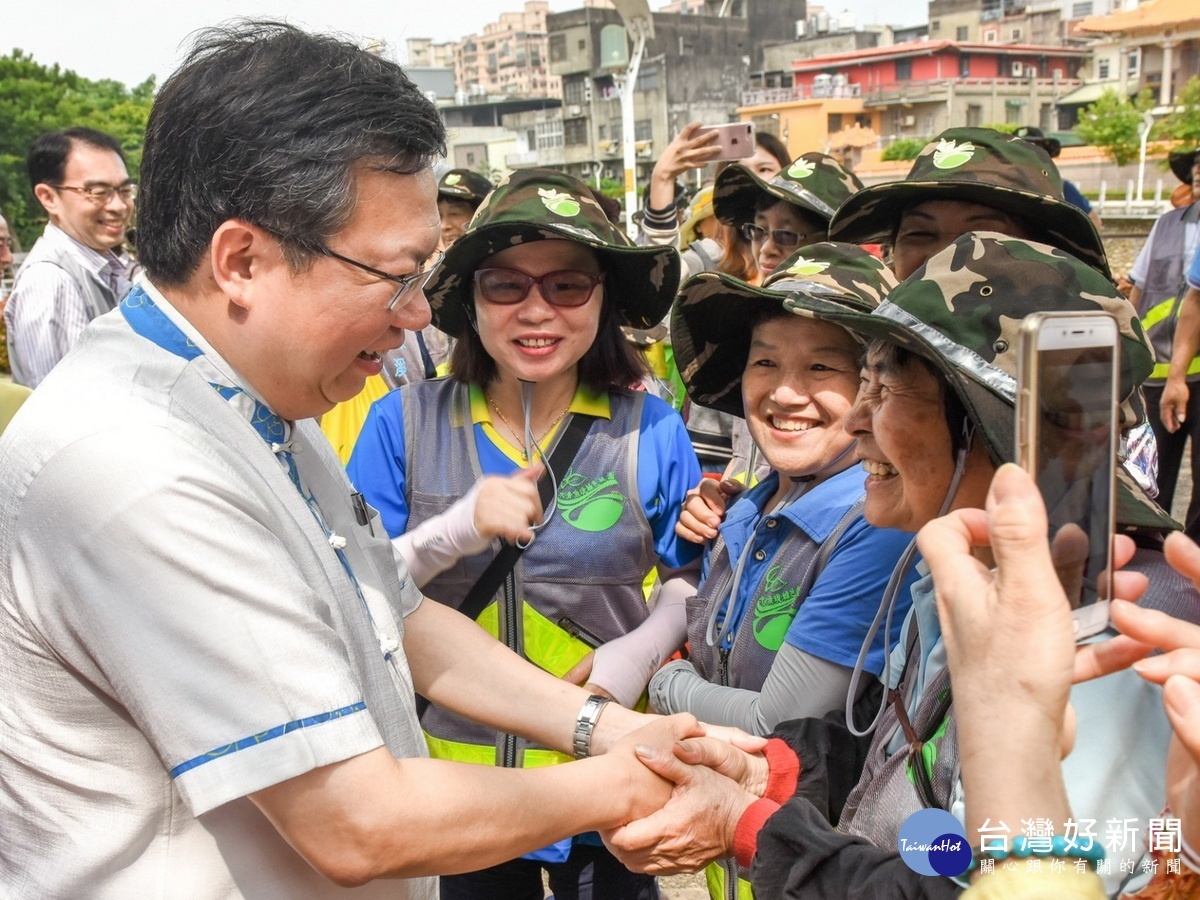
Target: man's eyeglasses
column 783, row 239
column 405, row 284
column 508, row 286
column 102, row 194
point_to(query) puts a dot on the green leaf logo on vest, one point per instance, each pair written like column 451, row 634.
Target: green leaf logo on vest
column 590, row 504
column 951, row 155
column 801, row 168
column 559, row 203
column 774, row 609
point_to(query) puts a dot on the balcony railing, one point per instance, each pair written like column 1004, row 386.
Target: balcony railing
column 769, row 96
column 918, row 91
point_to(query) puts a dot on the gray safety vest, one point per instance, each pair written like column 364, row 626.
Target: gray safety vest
column 97, row 296
column 781, row 590
column 1164, row 288
column 578, row 585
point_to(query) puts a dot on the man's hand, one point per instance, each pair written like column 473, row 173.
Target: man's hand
column 507, row 506
column 696, row 825
column 704, row 509
column 1173, row 405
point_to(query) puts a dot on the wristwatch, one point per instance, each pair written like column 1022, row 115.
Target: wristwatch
column 589, row 714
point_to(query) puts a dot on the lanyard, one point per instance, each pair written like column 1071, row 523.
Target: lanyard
column 149, row 321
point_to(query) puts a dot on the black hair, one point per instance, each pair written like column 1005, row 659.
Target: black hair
column 268, row 124
column 774, row 146
column 47, row 158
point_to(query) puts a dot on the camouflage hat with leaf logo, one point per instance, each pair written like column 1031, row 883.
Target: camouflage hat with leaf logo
column 817, row 183
column 465, row 185
column 962, row 312
column 714, row 316
column 545, row 205
column 977, row 165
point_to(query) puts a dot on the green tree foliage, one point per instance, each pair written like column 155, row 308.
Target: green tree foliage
column 1183, row 123
column 35, row 98
column 905, row 148
column 1111, row 123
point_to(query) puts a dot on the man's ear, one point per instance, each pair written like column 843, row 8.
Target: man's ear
column 48, row 197
column 240, row 253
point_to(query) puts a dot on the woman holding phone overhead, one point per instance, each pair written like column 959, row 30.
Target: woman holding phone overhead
column 534, row 452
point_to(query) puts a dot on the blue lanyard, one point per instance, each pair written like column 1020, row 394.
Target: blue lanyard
column 147, row 320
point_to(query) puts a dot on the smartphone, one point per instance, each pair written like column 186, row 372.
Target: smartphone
column 736, row 139
column 1068, row 368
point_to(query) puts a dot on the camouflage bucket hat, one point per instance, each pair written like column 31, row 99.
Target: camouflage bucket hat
column 817, row 183
column 714, row 316
column 1182, row 162
column 977, row 165
column 962, row 310
column 465, row 185
column 544, row 205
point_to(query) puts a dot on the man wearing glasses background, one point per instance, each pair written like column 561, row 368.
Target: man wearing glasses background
column 74, row 272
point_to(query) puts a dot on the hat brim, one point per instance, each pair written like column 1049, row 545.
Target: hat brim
column 641, row 281
column 871, row 215
column 1181, row 164
column 995, row 418
column 738, row 189
column 711, row 325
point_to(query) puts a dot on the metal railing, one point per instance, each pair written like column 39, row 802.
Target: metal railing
column 768, row 96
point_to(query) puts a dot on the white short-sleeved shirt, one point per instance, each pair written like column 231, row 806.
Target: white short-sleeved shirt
column 177, row 633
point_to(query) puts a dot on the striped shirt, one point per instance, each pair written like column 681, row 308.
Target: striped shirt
column 47, row 310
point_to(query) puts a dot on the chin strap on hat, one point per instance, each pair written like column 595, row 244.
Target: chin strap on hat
column 887, row 606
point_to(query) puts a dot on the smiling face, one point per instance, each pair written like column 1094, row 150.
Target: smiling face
column 799, row 382
column 95, row 225
column 784, row 216
column 533, row 340
column 899, row 419
column 930, row 227
column 455, row 216
column 314, row 336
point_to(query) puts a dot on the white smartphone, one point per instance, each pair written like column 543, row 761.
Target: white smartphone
column 1067, row 439
column 736, row 139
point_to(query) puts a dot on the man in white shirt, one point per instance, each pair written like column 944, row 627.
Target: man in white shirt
column 73, row 272
column 210, row 646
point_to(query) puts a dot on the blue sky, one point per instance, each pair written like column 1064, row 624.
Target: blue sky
column 131, row 39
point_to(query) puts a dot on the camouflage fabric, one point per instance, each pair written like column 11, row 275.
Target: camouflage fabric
column 714, row 315
column 977, row 165
column 962, row 311
column 545, row 205
column 817, row 183
column 463, row 184
column 1181, row 163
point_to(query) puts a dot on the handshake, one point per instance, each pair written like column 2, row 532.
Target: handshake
column 694, row 785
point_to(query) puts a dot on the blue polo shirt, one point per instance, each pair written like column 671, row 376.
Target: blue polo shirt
column 667, row 465
column 1193, row 272
column 834, row 617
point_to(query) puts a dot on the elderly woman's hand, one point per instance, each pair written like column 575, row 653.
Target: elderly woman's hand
column 506, row 506
column 704, row 509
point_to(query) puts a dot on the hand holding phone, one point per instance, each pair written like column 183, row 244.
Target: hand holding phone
column 1067, row 402
column 736, row 139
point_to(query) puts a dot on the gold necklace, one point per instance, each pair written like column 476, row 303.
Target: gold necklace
column 518, row 435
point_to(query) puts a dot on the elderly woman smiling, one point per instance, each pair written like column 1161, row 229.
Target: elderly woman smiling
column 934, row 418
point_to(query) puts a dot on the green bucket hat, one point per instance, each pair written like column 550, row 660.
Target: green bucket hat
column 465, row 185
column 545, row 205
column 817, row 183
column 962, row 311
column 977, row 165
column 1181, row 163
column 712, row 320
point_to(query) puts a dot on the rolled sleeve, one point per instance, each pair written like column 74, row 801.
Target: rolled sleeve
column 176, row 595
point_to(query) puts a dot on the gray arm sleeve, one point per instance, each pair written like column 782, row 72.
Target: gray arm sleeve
column 799, row 685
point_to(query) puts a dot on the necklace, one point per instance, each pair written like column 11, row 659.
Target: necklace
column 516, row 434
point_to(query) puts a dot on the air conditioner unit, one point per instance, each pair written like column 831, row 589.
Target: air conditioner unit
column 1017, row 69
column 574, row 110
column 909, row 121
column 1030, row 72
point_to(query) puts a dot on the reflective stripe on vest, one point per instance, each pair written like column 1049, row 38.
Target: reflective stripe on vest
column 714, row 874
column 485, row 755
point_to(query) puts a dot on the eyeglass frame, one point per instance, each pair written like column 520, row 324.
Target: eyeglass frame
column 596, row 278
column 748, row 230
column 109, row 191
column 416, row 280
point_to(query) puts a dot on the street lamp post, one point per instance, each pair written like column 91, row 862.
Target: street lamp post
column 1144, row 127
column 639, row 24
